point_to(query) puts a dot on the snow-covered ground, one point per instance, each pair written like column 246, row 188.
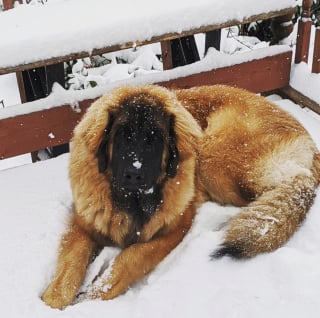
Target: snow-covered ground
column 35, row 206
column 36, row 203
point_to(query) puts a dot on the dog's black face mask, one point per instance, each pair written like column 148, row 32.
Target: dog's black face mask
column 142, row 151
column 136, row 163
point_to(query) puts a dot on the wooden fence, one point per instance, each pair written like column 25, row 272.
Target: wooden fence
column 36, row 130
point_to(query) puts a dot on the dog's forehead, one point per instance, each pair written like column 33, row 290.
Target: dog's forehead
column 141, row 113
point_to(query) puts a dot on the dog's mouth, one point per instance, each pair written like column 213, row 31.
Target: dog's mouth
column 136, row 201
column 132, row 189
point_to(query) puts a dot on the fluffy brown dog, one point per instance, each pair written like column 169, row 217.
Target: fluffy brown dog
column 144, row 158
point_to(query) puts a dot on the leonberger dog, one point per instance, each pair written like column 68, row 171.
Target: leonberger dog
column 144, row 158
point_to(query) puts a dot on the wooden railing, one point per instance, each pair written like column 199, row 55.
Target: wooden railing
column 34, row 129
column 302, row 55
column 303, row 38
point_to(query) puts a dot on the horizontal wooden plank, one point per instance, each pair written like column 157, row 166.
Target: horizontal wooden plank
column 154, row 39
column 300, row 99
column 258, row 76
column 52, row 127
column 38, row 130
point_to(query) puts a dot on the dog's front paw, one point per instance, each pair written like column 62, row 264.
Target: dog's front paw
column 53, row 298
column 58, row 296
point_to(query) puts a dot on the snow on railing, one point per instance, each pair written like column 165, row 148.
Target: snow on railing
column 70, row 29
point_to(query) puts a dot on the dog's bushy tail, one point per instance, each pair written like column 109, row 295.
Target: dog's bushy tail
column 269, row 221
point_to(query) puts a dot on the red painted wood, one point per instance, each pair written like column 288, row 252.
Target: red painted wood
column 166, row 55
column 7, row 4
column 316, row 53
column 38, row 130
column 304, row 31
column 262, row 75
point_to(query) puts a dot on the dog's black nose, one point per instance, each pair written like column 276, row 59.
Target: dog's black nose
column 133, row 178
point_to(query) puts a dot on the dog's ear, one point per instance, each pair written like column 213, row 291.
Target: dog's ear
column 173, row 155
column 103, row 147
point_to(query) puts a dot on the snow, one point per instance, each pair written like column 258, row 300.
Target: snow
column 66, row 26
column 36, row 198
column 36, row 204
column 137, row 164
column 9, row 89
column 304, row 81
column 301, row 77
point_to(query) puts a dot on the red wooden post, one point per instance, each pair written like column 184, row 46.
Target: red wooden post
column 316, row 53
column 166, row 55
column 304, row 30
column 8, row 4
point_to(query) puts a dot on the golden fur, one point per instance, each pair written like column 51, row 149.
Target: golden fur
column 234, row 148
column 255, row 155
